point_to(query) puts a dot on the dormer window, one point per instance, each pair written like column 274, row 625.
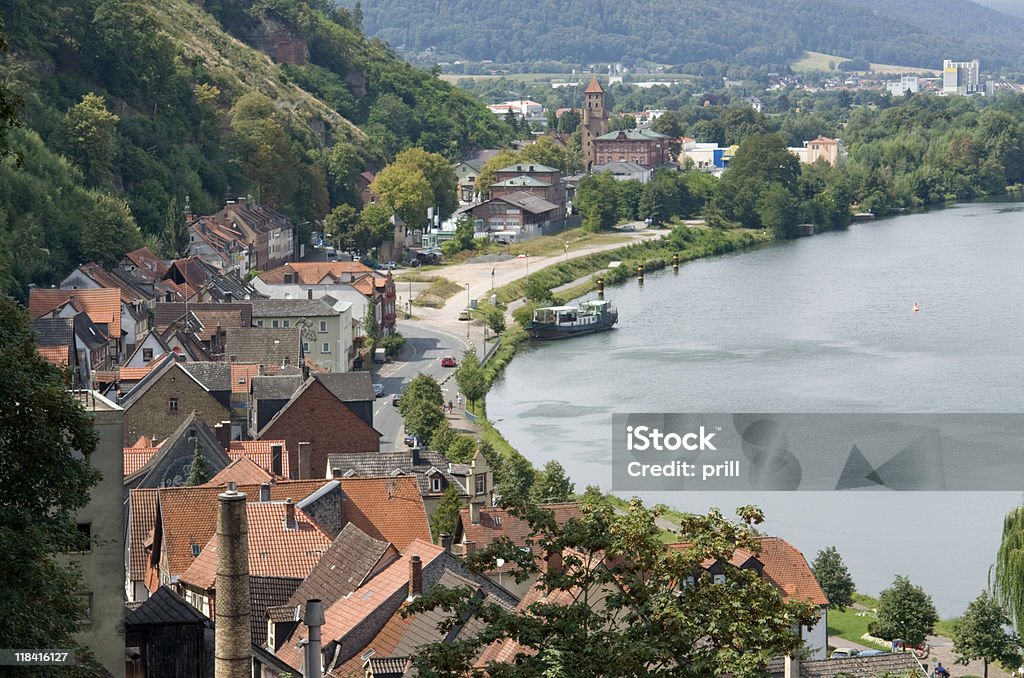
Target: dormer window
column 436, row 483
column 195, row 550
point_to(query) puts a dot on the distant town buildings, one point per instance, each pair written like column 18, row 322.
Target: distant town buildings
column 906, row 83
column 960, row 77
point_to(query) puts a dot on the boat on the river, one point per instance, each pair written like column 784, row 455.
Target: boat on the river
column 559, row 322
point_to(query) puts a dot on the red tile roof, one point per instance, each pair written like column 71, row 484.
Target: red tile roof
column 497, row 522
column 787, row 568
column 261, row 452
column 57, row 355
column 389, row 509
column 137, row 457
column 188, row 515
column 350, row 612
column 142, row 502
column 138, row 373
column 784, row 566
column 103, row 306
column 311, row 273
column 594, row 87
column 241, row 377
column 147, row 262
column 383, row 645
column 242, row 471
column 274, row 551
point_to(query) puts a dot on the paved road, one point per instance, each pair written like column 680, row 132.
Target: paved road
column 422, row 354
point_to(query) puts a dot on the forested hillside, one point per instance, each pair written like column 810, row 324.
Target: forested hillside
column 911, row 32
column 129, row 106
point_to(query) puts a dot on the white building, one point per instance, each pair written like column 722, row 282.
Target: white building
column 961, row 77
column 906, row 83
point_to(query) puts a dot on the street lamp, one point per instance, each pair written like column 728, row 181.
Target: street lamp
column 470, row 321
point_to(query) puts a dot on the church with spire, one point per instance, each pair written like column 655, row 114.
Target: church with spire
column 595, row 120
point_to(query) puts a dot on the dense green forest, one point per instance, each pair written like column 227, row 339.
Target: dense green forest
column 129, row 106
column 911, row 32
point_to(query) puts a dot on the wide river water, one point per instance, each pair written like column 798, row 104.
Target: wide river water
column 821, row 324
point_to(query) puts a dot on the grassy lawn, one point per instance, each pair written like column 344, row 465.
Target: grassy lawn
column 818, row 61
column 417, row 276
column 550, row 245
column 851, row 625
column 439, row 291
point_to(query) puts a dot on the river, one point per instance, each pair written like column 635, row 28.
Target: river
column 821, row 324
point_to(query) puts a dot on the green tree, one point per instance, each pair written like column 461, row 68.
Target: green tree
column 501, row 159
column 439, row 175
column 370, row 320
column 1009, row 572
column 513, row 484
column 405, row 190
column 9, row 102
column 174, row 235
column 665, row 196
column 552, row 484
column 614, row 605
column 904, row 611
column 981, row 633
column 47, row 440
column 340, row 223
column 596, row 201
column 834, row 578
column 421, row 406
column 89, row 138
column 547, row 151
column 495, row 319
column 263, row 149
column 447, row 514
column 199, row 471
column 374, row 227
column 443, row 438
column 470, row 377
column 109, row 231
column 537, row 291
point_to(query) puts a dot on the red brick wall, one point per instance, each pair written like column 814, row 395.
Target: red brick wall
column 319, row 418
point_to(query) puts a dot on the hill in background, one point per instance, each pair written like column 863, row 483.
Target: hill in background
column 747, row 32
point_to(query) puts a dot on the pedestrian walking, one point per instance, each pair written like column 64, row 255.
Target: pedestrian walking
column 458, row 399
column 450, row 407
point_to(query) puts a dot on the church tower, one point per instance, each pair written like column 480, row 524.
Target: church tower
column 595, row 120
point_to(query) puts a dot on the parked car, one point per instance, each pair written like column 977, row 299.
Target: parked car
column 465, row 314
column 412, row 441
column 390, row 265
column 396, row 399
column 448, row 361
column 378, row 390
column 871, row 653
column 843, row 652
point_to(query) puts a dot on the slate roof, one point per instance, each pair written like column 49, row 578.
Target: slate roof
column 389, row 509
column 527, row 168
column 527, row 201
column 103, row 306
column 215, row 376
column 260, row 452
column 347, row 563
column 632, row 135
column 112, row 280
column 162, row 608
column 626, row 167
column 91, row 334
column 241, row 471
column 274, row 551
column 141, row 519
column 262, row 346
column 312, row 273
column 53, row 331
column 389, row 463
column 277, row 387
column 290, row 308
column 153, row 377
column 348, row 387
column 264, row 593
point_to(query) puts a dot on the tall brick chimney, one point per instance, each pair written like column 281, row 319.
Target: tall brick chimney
column 233, row 638
column 415, row 577
column 289, row 515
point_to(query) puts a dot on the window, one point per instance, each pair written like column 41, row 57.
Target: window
column 305, row 347
column 195, row 550
column 435, row 483
column 286, row 323
column 147, row 354
column 481, row 483
column 325, row 347
column 273, row 323
column 323, row 325
column 84, row 536
column 172, row 404
column 496, row 520
column 259, row 323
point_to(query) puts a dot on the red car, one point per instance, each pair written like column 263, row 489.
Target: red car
column 448, row 361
